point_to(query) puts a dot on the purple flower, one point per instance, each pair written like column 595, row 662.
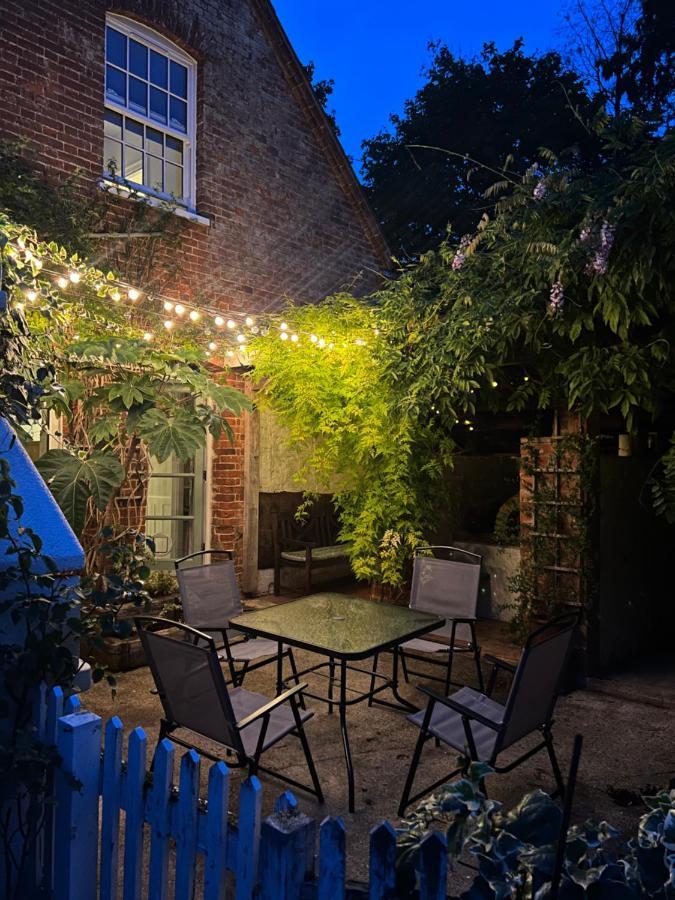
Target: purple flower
column 584, row 234
column 556, row 298
column 460, row 256
column 540, row 190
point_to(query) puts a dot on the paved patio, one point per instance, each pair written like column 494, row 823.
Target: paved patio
column 628, row 746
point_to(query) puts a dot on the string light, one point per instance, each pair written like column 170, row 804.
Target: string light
column 294, row 338
column 283, row 336
column 168, row 306
column 241, row 338
column 231, row 324
column 219, row 321
column 495, row 384
column 169, row 324
column 116, row 296
column 75, row 277
column 133, row 294
column 62, row 282
column 194, row 315
column 180, row 309
column 283, row 326
column 147, row 336
column 31, row 295
column 313, row 338
column 213, row 345
column 250, row 321
column 322, row 343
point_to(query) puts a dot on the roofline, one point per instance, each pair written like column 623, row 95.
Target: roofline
column 295, row 74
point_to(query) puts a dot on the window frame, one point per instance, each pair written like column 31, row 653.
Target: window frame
column 152, row 39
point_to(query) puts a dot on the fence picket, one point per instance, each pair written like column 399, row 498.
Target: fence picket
column 248, row 842
column 286, row 846
column 160, row 818
column 71, row 705
column 186, row 825
column 433, row 866
column 382, row 862
column 332, row 859
column 216, row 832
column 110, row 808
column 134, row 815
column 54, row 713
column 78, row 739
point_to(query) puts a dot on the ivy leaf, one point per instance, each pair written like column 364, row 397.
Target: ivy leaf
column 74, row 479
column 181, row 434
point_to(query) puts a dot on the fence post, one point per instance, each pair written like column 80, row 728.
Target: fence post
column 110, row 808
column 382, row 862
column 248, row 842
column 286, row 850
column 78, row 739
column 433, row 866
column 134, row 803
column 332, row 859
column 216, row 832
column 160, row 819
column 186, row 825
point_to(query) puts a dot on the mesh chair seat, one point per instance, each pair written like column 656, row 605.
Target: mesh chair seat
column 281, row 719
column 447, row 725
column 253, row 649
column 422, row 646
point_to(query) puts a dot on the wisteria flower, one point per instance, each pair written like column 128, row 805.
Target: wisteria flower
column 556, row 298
column 460, row 255
column 540, row 190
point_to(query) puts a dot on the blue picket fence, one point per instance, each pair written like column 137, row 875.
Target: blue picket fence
column 118, row 831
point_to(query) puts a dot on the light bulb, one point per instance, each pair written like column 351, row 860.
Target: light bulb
column 294, row 338
column 249, row 321
column 169, row 324
column 194, row 315
column 75, row 277
column 526, row 378
column 220, row 321
column 133, row 294
column 116, row 296
column 241, row 338
column 313, row 338
column 230, row 353
column 168, row 306
column 231, row 324
column 31, row 295
column 213, row 345
column 283, row 326
column 37, row 263
column 322, row 343
column 283, row 336
column 495, row 383
column 180, row 309
column 62, row 282
column 147, row 336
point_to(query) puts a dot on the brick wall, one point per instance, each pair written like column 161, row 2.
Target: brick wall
column 287, row 219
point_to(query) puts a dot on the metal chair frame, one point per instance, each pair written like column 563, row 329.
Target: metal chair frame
column 169, row 724
column 561, row 624
column 469, row 647
column 237, row 675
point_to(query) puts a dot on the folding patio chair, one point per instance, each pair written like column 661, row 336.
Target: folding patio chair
column 210, row 597
column 481, row 728
column 196, row 698
column 447, row 587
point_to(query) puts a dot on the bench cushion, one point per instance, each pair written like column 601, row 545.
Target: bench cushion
column 319, row 554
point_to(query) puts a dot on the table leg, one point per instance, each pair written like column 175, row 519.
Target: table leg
column 331, row 680
column 280, row 668
column 394, row 683
column 345, row 736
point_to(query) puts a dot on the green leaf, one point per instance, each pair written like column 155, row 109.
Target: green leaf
column 74, row 479
column 181, row 435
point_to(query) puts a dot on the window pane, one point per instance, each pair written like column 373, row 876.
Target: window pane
column 178, row 79
column 173, row 180
column 174, row 151
column 133, row 165
column 113, row 125
column 178, row 117
column 112, row 156
column 158, row 105
column 116, row 48
column 115, row 85
column 138, row 95
column 158, row 69
column 155, row 141
column 138, row 59
column 154, row 173
column 133, row 134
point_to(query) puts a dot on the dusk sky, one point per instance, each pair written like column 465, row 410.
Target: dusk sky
column 375, row 49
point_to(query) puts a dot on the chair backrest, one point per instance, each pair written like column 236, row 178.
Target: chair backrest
column 537, row 680
column 446, row 586
column 321, row 528
column 209, row 592
column 189, row 680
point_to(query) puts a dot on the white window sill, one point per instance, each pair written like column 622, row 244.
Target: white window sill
column 133, row 193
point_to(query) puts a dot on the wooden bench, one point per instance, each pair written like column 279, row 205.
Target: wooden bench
column 309, row 546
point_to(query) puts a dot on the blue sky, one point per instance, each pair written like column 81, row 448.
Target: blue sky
column 375, row 49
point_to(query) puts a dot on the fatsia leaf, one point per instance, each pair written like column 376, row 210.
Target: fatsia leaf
column 181, row 434
column 73, row 479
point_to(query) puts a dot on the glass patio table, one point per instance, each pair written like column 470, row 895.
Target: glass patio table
column 345, row 629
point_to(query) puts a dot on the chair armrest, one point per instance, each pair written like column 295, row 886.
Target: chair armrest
column 295, row 542
column 464, row 711
column 500, row 663
column 268, row 707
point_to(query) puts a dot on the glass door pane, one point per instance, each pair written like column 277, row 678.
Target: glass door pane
column 174, row 517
